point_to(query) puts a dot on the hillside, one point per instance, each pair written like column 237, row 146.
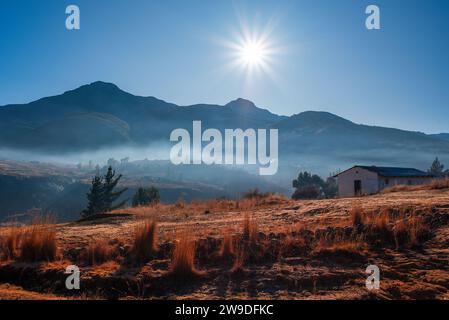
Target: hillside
column 28, row 188
column 296, row 250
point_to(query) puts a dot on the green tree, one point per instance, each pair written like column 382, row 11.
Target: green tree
column 109, row 195
column 95, row 197
column 102, row 194
column 146, row 196
column 312, row 186
column 306, row 179
column 436, row 169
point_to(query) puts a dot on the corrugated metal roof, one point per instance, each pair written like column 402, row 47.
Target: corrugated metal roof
column 396, row 172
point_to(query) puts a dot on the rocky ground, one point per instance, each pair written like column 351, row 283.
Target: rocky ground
column 305, row 250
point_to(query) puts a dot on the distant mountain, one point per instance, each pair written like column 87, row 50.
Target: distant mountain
column 442, row 136
column 102, row 115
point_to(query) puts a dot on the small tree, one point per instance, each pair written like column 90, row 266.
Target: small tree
column 146, row 196
column 312, row 186
column 110, row 196
column 436, row 169
column 95, row 198
column 101, row 196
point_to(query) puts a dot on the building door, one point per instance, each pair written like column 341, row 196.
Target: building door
column 357, row 187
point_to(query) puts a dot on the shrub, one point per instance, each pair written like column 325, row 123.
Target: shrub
column 146, row 196
column 306, row 193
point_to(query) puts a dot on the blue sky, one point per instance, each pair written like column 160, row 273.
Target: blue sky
column 397, row 76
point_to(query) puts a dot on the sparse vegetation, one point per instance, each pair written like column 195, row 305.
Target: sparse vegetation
column 38, row 243
column 273, row 240
column 145, row 241
column 256, row 194
column 183, row 260
column 9, row 243
column 99, row 252
column 436, row 184
column 227, row 251
column 357, row 217
column 146, row 196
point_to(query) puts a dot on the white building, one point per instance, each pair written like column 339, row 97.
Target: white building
column 360, row 180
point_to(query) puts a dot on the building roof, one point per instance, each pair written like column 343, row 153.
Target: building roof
column 393, row 171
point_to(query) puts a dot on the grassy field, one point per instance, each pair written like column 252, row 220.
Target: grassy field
column 265, row 247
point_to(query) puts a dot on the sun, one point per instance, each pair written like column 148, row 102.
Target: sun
column 253, row 53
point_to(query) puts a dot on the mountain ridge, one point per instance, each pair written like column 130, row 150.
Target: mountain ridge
column 101, row 115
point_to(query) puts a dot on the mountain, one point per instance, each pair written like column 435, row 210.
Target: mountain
column 442, row 136
column 102, row 115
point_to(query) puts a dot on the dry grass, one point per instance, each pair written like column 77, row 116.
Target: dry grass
column 9, row 243
column 440, row 184
column 227, row 250
column 182, row 208
column 411, row 232
column 183, row 259
column 436, row 184
column 239, row 261
column 145, row 241
column 340, row 248
column 357, row 216
column 250, row 229
column 99, row 252
column 38, row 243
column 381, row 225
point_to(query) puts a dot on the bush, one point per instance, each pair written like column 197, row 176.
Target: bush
column 146, row 196
column 306, row 193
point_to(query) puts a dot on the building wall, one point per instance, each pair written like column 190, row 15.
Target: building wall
column 413, row 181
column 370, row 182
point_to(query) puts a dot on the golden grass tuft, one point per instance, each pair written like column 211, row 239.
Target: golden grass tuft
column 99, row 252
column 419, row 231
column 440, row 184
column 145, row 241
column 239, row 262
column 183, row 259
column 9, row 243
column 357, row 216
column 342, row 247
column 411, row 232
column 436, row 184
column 227, row 250
column 250, row 229
column 38, row 243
